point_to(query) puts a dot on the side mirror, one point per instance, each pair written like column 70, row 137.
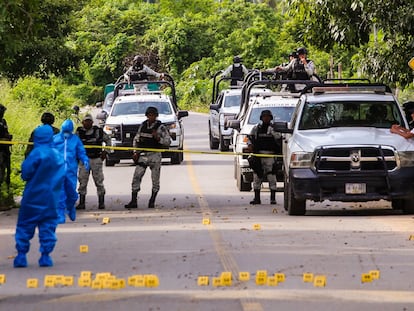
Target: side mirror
column 182, row 114
column 234, row 124
column 214, row 107
column 282, row 127
column 101, row 115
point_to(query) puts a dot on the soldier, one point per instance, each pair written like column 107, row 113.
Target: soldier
column 237, row 71
column 264, row 140
column 140, row 71
column 47, row 119
column 92, row 135
column 4, row 148
column 154, row 135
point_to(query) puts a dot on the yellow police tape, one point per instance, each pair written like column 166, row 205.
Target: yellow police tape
column 158, row 150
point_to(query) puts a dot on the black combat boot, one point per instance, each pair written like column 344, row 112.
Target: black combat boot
column 272, row 196
column 101, row 201
column 134, row 198
column 151, row 203
column 81, row 204
column 256, row 199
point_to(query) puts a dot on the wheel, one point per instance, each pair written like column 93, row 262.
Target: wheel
column 241, row 185
column 406, row 205
column 224, row 144
column 175, row 158
column 294, row 206
column 214, row 143
column 110, row 162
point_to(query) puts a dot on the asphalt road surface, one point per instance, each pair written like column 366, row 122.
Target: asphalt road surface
column 337, row 257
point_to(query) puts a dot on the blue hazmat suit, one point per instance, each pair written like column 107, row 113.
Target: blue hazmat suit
column 43, row 170
column 71, row 147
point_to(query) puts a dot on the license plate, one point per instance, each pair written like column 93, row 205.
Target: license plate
column 246, row 170
column 355, row 188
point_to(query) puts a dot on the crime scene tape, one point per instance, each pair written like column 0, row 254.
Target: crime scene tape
column 159, row 150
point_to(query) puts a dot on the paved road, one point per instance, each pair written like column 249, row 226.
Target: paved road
column 336, row 241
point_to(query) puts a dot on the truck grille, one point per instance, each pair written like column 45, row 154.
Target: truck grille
column 354, row 159
column 128, row 133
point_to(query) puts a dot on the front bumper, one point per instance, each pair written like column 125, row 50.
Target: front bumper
column 308, row 184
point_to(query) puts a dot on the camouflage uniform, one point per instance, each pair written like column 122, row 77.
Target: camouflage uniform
column 93, row 136
column 153, row 136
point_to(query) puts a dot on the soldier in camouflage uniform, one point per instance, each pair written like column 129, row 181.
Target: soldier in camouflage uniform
column 94, row 136
column 154, row 135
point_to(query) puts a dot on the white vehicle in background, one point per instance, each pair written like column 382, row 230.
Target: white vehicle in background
column 281, row 103
column 128, row 112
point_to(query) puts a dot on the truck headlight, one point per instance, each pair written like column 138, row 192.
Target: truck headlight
column 300, row 159
column 406, row 158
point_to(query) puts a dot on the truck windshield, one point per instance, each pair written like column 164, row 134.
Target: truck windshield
column 350, row 114
column 140, row 108
column 280, row 113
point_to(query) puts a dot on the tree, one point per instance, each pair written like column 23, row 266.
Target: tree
column 382, row 30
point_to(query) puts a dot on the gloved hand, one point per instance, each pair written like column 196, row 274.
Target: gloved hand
column 72, row 213
column 86, row 165
column 103, row 155
column 135, row 157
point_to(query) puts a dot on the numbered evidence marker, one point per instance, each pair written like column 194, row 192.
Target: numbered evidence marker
column 206, row 221
column 319, row 281
column 151, row 280
column 2, row 279
column 136, row 280
column 366, row 277
column 256, row 227
column 106, row 220
column 226, row 278
column 49, row 281
column 308, row 277
column 244, row 276
column 280, row 277
column 32, row 283
column 261, row 277
column 375, row 274
column 203, row 280
column 272, row 281
column 84, row 248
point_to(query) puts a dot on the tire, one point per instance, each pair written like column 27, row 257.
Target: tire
column 241, row 185
column 110, row 162
column 406, row 205
column 294, row 207
column 214, row 143
column 175, row 158
column 224, row 144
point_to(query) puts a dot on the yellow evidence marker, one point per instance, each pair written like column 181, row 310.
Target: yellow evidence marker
column 319, row 281
column 49, row 281
column 244, row 276
column 2, row 278
column 32, row 283
column 375, row 274
column 203, row 281
column 226, row 278
column 206, row 221
column 308, row 277
column 216, row 281
column 151, row 280
column 84, row 248
column 106, row 220
column 272, row 281
column 261, row 277
column 366, row 277
column 256, row 227
column 280, row 277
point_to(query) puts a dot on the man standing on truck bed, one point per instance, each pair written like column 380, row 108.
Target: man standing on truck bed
column 264, row 140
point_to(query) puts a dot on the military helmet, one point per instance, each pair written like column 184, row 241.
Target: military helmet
column 237, row 59
column 138, row 60
column 301, row 50
column 266, row 113
column 47, row 118
column 151, row 110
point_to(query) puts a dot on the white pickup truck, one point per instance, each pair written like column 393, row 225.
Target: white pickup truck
column 338, row 147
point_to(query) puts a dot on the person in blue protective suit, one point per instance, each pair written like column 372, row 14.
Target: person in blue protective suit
column 43, row 170
column 72, row 149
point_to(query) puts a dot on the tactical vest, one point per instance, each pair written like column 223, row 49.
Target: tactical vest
column 138, row 75
column 4, row 135
column 299, row 72
column 237, row 72
column 146, row 139
column 95, row 138
column 264, row 141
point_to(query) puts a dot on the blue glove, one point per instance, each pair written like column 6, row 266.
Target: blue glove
column 86, row 165
column 72, row 213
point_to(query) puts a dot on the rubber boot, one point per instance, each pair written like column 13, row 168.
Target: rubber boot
column 256, row 199
column 45, row 260
column 151, row 203
column 20, row 261
column 101, row 201
column 134, row 199
column 81, row 204
column 272, row 196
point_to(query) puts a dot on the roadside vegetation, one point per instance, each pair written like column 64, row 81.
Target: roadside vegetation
column 57, row 54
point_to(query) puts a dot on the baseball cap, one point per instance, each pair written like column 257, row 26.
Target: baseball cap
column 87, row 117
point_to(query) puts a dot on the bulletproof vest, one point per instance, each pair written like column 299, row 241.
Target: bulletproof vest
column 237, row 72
column 138, row 75
column 263, row 140
column 299, row 72
column 146, row 140
column 95, row 138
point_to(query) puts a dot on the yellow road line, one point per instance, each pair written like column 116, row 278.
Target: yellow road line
column 227, row 260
